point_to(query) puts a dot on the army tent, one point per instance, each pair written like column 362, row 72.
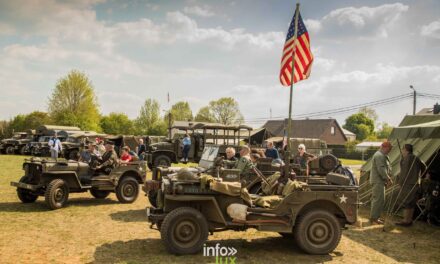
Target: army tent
column 423, row 132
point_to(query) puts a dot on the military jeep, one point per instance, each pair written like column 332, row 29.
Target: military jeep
column 56, row 179
column 190, row 208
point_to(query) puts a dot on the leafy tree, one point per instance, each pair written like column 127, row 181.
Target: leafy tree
column 225, row 111
column 117, row 124
column 149, row 121
column 74, row 103
column 385, row 131
column 359, row 124
column 369, row 112
column 36, row 119
column 180, row 111
column 16, row 124
column 205, row 115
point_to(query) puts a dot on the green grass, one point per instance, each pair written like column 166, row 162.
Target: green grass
column 105, row 231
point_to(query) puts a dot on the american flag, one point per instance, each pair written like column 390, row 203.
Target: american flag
column 303, row 55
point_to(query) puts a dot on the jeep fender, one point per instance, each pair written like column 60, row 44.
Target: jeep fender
column 68, row 176
column 205, row 204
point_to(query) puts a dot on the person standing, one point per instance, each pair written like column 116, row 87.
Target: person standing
column 55, row 146
column 411, row 169
column 380, row 177
column 186, row 147
column 141, row 149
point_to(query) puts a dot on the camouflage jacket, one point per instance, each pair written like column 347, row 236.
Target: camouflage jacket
column 109, row 159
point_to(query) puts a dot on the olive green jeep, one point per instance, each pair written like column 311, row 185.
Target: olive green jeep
column 56, row 179
column 190, row 208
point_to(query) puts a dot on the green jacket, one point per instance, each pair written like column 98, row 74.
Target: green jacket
column 380, row 169
column 243, row 164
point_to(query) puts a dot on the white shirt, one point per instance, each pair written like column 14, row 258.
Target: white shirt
column 55, row 144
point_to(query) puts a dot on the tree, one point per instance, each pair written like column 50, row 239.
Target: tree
column 385, row 131
column 180, row 111
column 117, row 124
column 149, row 121
column 369, row 112
column 225, row 111
column 73, row 102
column 36, row 119
column 359, row 124
column 205, row 115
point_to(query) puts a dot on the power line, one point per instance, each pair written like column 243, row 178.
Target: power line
column 339, row 110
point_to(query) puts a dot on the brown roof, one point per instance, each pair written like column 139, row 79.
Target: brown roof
column 308, row 128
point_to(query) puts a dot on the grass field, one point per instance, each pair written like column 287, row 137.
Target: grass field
column 104, row 231
column 349, row 162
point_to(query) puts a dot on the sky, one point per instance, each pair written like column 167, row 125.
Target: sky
column 198, row 51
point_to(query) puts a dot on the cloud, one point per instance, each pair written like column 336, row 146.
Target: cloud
column 432, row 30
column 362, row 21
column 198, row 11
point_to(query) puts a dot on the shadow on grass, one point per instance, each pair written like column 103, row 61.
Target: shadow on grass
column 261, row 250
column 130, row 216
column 40, row 205
column 412, row 245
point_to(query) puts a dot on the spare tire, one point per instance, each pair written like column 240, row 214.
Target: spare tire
column 328, row 162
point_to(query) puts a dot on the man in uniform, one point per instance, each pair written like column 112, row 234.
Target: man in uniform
column 244, row 163
column 109, row 159
column 379, row 179
column 411, row 168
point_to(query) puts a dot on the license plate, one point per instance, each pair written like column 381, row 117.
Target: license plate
column 148, row 211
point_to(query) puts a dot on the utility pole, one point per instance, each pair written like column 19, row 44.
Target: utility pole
column 414, row 99
column 270, row 113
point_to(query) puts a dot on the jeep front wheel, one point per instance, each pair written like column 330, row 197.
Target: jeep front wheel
column 162, row 160
column 10, row 150
column 24, row 195
column 184, row 231
column 99, row 194
column 127, row 190
column 57, row 194
column 317, row 232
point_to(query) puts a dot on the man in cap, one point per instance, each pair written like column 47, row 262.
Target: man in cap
column 380, row 177
column 109, row 160
column 87, row 154
column 411, row 168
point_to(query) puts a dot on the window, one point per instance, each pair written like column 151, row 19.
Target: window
column 332, row 130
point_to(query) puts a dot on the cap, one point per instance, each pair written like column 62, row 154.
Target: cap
column 110, row 142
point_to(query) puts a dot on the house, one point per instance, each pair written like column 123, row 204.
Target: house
column 435, row 110
column 349, row 135
column 325, row 129
column 368, row 144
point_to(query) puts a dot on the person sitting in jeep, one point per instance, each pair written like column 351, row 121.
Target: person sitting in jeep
column 88, row 154
column 244, row 164
column 109, row 160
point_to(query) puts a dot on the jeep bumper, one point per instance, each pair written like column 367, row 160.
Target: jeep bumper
column 26, row 186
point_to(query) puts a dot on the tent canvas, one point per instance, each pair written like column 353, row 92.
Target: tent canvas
column 423, row 132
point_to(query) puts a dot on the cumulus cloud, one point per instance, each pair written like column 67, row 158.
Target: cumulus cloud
column 198, row 11
column 432, row 30
column 363, row 21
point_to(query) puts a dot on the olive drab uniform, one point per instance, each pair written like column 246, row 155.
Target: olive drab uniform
column 380, row 171
column 108, row 161
column 243, row 164
column 411, row 168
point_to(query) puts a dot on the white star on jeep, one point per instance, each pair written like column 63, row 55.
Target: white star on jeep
column 343, row 199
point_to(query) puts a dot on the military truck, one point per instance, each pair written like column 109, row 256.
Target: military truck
column 190, row 207
column 54, row 180
column 8, row 145
column 202, row 134
column 40, row 147
column 74, row 142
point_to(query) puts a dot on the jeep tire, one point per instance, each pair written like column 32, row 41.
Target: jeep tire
column 127, row 190
column 162, row 160
column 57, row 194
column 184, row 231
column 317, row 232
column 26, row 196
column 99, row 194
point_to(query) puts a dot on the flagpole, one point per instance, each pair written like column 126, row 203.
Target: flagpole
column 289, row 126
